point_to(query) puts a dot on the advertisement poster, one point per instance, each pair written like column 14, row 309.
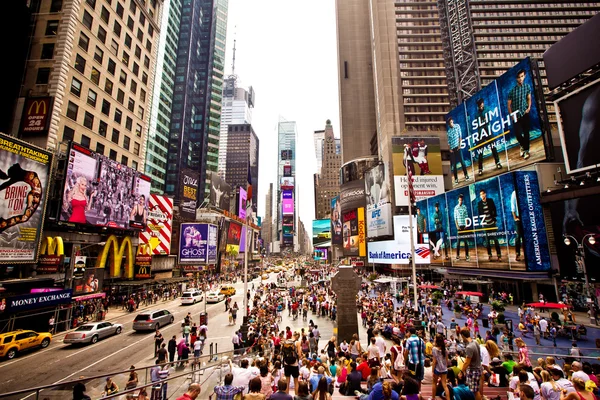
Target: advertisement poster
column 321, row 233
column 223, row 235
column 495, row 223
column 158, row 227
column 243, row 240
column 220, row 192
column 287, row 202
column 143, row 266
column 379, row 220
column 36, row 116
column 30, row 301
column 350, row 232
column 287, row 171
column 24, row 176
column 352, row 195
column 336, row 221
column 242, row 200
column 377, row 186
column 233, row 237
column 422, row 157
column 188, row 193
column 320, row 253
column 193, row 243
column 577, row 114
column 213, row 242
column 91, row 282
column 101, row 192
column 362, row 232
column 498, row 129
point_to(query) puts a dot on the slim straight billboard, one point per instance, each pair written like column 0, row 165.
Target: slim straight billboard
column 234, row 235
column 24, row 176
column 336, row 221
column 350, row 233
column 158, row 229
column 498, row 129
column 193, row 243
column 287, row 202
column 378, row 196
column 321, row 233
column 242, row 200
column 188, row 193
column 421, row 157
column 220, row 192
column 101, row 192
column 495, row 223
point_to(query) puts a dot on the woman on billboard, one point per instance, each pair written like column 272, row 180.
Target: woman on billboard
column 78, row 201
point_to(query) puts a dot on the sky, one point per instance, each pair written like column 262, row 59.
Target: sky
column 286, row 50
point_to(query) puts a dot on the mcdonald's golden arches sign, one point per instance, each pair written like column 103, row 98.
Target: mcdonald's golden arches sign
column 36, row 115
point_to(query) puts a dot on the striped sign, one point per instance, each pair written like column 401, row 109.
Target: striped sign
column 158, row 229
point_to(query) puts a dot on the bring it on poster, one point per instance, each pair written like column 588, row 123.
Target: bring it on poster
column 24, row 175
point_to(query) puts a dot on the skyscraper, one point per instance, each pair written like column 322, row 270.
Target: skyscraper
column 267, row 225
column 93, row 64
column 327, row 183
column 195, row 118
column 162, row 96
column 286, row 172
column 242, row 159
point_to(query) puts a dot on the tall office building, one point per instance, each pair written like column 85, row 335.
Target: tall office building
column 318, row 138
column 242, row 159
column 91, row 63
column 267, row 225
column 286, row 194
column 327, row 182
column 237, row 109
column 410, row 86
column 196, row 111
column 162, row 96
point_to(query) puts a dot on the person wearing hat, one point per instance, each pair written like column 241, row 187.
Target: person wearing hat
column 497, row 368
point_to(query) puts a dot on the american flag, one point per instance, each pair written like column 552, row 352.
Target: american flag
column 423, row 252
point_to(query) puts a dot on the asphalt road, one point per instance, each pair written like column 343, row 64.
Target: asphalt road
column 61, row 362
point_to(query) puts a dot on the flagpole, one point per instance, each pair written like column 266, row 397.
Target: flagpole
column 410, row 228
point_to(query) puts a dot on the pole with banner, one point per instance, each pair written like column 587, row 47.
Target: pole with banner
column 411, row 200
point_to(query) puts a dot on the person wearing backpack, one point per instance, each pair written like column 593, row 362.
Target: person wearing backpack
column 397, row 358
column 290, row 363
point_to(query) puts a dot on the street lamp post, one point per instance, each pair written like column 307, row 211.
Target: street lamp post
column 580, row 261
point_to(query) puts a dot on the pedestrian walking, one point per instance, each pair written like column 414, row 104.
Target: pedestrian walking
column 172, row 348
column 158, row 340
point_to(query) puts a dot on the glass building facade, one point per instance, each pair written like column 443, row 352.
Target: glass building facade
column 286, row 157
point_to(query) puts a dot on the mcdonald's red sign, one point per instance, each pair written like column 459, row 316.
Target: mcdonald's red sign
column 36, row 115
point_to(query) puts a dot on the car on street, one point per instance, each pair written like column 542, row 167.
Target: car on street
column 227, row 290
column 191, row 297
column 214, row 297
column 324, row 235
column 14, row 342
column 92, row 332
column 152, row 320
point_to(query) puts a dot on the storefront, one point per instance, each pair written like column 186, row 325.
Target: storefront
column 35, row 310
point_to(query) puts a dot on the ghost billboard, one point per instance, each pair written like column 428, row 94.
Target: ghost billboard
column 498, row 129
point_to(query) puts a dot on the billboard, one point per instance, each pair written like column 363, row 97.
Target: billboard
column 287, row 170
column 158, row 228
column 286, row 182
column 378, row 186
column 24, row 176
column 578, row 118
column 397, row 251
column 243, row 240
column 484, row 225
column 321, row 232
column 220, row 192
column 37, row 112
column 212, row 246
column 287, row 202
column 188, row 193
column 91, row 282
column 242, row 200
column 498, row 129
column 193, row 243
column 379, row 220
column 350, row 232
column 336, row 221
column 352, row 195
column 320, row 254
column 101, row 192
column 286, row 155
column 223, row 235
column 422, row 157
column 234, row 234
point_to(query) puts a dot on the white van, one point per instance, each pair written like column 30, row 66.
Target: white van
column 191, row 297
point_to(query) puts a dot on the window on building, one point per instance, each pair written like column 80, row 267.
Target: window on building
column 149, row 45
column 146, row 61
column 126, row 59
column 76, row 87
column 80, row 64
column 128, row 123
column 117, row 29
column 102, row 128
column 99, row 55
column 127, row 40
column 92, row 3
column 126, row 142
column 130, row 23
column 140, row 35
column 105, row 107
column 133, row 86
column 142, row 95
column 88, row 120
column 68, row 133
column 112, row 154
column 43, row 76
column 131, row 105
column 86, row 141
column 105, row 15
column 138, row 130
column 72, row 110
column 150, row 30
column 120, row 10
column 142, row 19
column 136, row 148
column 56, row 6
column 120, row 96
column 84, row 41
column 118, row 116
column 124, row 160
column 100, row 148
column 108, row 86
column 141, row 112
column 114, row 47
column 91, row 99
column 144, row 78
column 95, row 76
column 87, row 20
column 52, row 27
column 123, row 77
column 132, row 7
column 136, row 68
column 115, row 136
column 134, row 165
column 111, row 66
column 101, row 34
column 47, row 51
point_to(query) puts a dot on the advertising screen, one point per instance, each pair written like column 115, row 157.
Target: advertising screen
column 498, row 129
column 287, row 170
column 101, row 192
column 352, row 195
column 287, row 202
column 158, row 229
column 288, row 220
column 484, row 225
column 193, row 243
column 336, row 221
column 243, row 240
column 36, row 116
column 188, row 193
column 242, row 199
column 286, row 155
column 320, row 254
column 398, row 251
column 234, row 236
column 321, row 231
column 350, row 232
column 223, row 235
column 377, row 186
column 422, row 157
column 379, row 220
column 220, row 192
column 287, row 182
column 577, row 115
column 213, row 242
column 24, row 176
column 91, row 281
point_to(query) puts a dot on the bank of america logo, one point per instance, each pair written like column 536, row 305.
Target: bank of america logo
column 422, row 252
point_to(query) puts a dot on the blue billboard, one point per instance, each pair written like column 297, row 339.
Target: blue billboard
column 197, row 243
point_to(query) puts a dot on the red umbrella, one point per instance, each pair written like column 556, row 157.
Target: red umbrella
column 558, row 306
column 470, row 293
column 428, row 287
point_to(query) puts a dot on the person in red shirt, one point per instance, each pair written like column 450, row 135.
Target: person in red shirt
column 288, row 333
column 363, row 367
column 192, row 393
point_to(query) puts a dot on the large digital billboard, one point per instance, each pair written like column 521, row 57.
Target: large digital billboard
column 421, row 157
column 398, row 251
column 287, row 202
column 378, row 197
column 197, row 243
column 350, row 233
column 158, row 229
column 352, row 195
column 101, row 192
column 495, row 223
column 220, row 192
column 320, row 253
column 287, row 170
column 234, row 236
column 321, row 233
column 242, row 200
column 578, row 118
column 24, row 176
column 286, row 182
column 188, row 193
column 336, row 221
column 498, row 129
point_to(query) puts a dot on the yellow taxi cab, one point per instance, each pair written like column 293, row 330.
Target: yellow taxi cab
column 227, row 290
column 12, row 343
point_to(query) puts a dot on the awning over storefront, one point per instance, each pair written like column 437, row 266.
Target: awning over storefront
column 89, row 296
